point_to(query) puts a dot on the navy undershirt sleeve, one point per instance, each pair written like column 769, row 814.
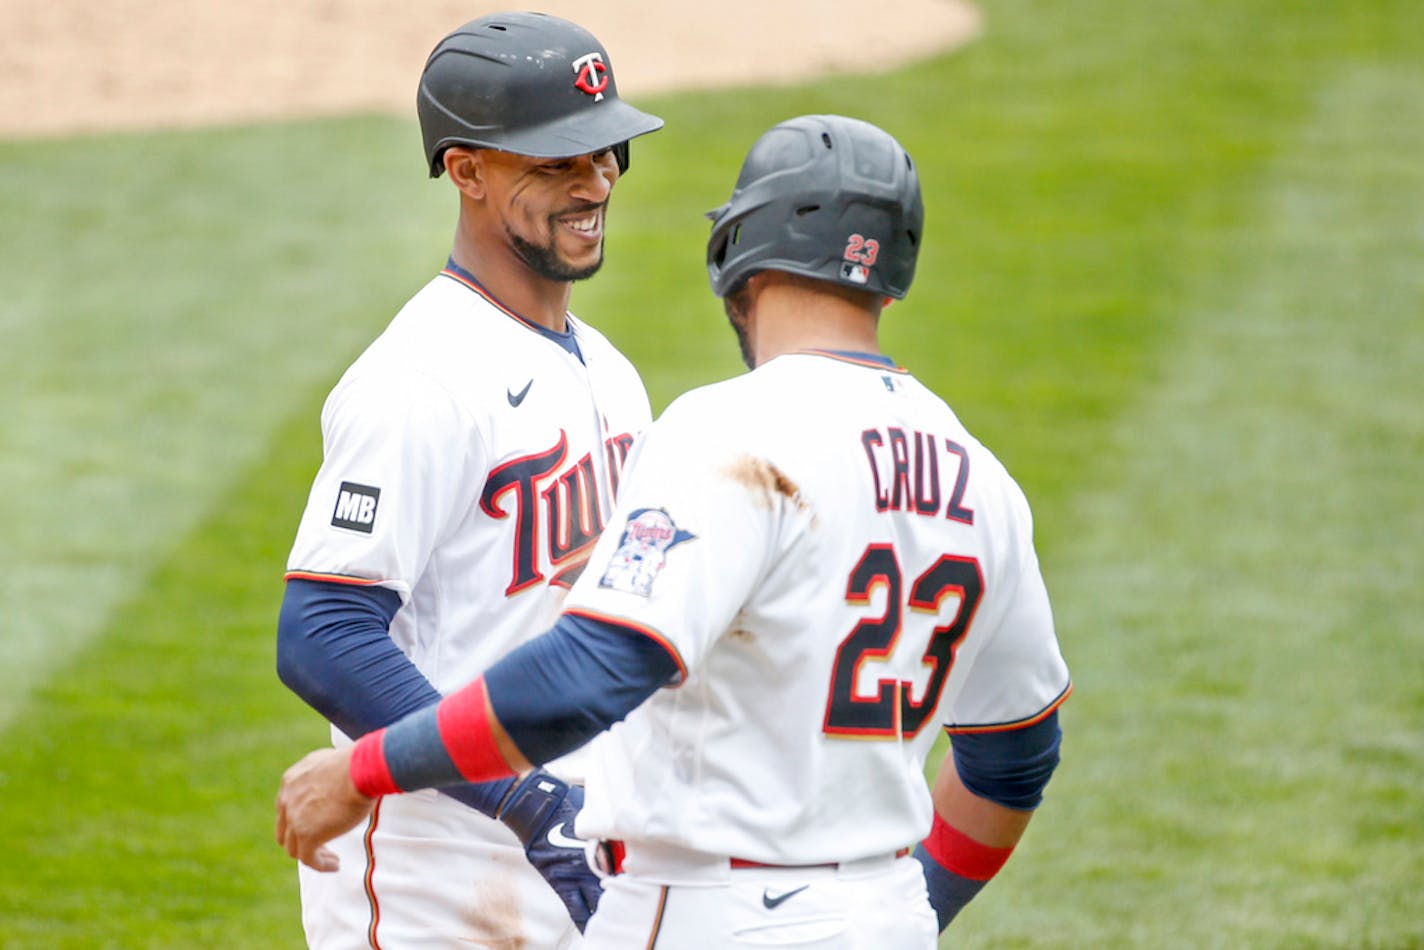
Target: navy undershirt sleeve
column 1012, row 767
column 559, row 690
column 334, row 650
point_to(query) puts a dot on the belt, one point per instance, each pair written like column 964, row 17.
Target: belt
column 674, row 864
column 743, row 863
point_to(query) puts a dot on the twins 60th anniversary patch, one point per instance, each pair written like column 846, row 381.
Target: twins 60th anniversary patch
column 356, row 507
column 642, row 551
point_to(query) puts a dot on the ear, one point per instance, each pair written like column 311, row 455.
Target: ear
column 466, row 168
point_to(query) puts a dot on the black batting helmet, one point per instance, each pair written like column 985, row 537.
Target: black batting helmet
column 823, row 196
column 526, row 83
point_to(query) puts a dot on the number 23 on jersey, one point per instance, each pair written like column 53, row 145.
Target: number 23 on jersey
column 892, row 712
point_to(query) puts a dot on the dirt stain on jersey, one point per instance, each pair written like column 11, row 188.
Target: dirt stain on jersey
column 765, row 480
column 494, row 917
column 739, row 629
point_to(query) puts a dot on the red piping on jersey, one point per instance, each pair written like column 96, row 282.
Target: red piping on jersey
column 331, row 578
column 658, row 920
column 843, row 358
column 491, row 298
column 1033, row 720
column 371, row 936
column 632, row 627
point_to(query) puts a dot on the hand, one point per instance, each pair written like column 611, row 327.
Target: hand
column 317, row 802
column 541, row 811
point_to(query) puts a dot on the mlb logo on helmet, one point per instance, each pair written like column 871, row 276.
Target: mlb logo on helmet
column 855, row 273
column 591, row 75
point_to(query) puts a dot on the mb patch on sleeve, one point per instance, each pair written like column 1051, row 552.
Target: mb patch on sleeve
column 356, row 507
column 642, row 551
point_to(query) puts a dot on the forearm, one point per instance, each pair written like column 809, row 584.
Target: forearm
column 969, row 842
column 989, row 823
column 541, row 701
column 984, row 797
column 335, row 652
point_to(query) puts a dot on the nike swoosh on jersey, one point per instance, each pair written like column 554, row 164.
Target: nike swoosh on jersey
column 771, row 903
column 515, row 400
column 558, row 839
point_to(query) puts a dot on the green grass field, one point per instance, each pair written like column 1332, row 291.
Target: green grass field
column 1173, row 275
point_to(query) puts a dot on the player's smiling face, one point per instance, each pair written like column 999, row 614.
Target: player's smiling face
column 553, row 210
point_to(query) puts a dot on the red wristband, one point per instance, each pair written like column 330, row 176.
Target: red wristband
column 369, row 772
column 464, row 723
column 955, row 851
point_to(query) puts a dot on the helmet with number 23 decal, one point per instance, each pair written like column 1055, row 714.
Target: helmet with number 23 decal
column 823, row 196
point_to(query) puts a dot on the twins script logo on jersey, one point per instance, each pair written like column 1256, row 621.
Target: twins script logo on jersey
column 642, row 551
column 356, row 507
column 591, row 75
column 556, row 509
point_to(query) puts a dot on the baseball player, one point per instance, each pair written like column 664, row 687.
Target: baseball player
column 810, row 568
column 470, row 459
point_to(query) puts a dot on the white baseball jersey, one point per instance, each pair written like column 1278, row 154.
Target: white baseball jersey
column 469, row 465
column 841, row 569
column 470, row 460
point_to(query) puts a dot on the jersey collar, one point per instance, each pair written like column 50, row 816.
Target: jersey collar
column 565, row 339
column 874, row 360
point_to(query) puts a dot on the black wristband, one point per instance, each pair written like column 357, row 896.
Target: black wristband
column 530, row 803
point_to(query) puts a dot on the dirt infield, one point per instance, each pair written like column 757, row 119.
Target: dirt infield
column 68, row 66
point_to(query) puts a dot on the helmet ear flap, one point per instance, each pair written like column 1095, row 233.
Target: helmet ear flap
column 726, row 234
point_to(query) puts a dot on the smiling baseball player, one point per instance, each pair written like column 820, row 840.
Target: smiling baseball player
column 470, row 459
column 812, row 568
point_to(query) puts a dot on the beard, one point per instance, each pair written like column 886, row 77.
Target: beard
column 544, row 260
column 735, row 304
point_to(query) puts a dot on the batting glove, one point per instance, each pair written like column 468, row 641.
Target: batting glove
column 541, row 809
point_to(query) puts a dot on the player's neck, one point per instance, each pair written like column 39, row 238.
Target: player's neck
column 536, row 299
column 788, row 318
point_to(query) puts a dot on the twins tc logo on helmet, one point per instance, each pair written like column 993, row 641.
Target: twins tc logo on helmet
column 591, row 75
column 642, row 551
